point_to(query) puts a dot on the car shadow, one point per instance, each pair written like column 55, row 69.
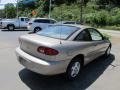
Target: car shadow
column 88, row 76
column 5, row 30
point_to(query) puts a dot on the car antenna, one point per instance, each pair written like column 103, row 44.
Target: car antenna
column 61, row 25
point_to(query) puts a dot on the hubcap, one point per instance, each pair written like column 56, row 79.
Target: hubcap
column 37, row 29
column 11, row 27
column 75, row 69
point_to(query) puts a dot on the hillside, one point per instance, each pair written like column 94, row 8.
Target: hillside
column 98, row 13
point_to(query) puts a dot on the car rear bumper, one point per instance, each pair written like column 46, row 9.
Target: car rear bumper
column 30, row 28
column 2, row 27
column 41, row 66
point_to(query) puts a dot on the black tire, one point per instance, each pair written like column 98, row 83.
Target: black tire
column 107, row 52
column 11, row 27
column 37, row 29
column 69, row 71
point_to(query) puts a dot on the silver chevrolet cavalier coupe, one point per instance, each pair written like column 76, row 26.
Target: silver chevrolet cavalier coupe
column 61, row 49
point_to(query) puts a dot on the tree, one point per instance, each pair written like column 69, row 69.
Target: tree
column 105, row 2
column 2, row 13
column 27, row 4
column 10, row 10
column 115, row 2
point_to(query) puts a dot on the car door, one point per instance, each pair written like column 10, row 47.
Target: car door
column 98, row 42
column 51, row 22
column 24, row 22
column 83, row 39
column 45, row 23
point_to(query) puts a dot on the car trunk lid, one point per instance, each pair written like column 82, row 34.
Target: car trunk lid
column 31, row 43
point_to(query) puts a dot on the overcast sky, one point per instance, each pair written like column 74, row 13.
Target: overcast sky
column 6, row 1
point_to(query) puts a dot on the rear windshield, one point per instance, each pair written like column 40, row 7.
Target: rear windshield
column 59, row 32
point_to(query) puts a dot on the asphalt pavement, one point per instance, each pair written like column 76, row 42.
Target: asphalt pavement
column 101, row 74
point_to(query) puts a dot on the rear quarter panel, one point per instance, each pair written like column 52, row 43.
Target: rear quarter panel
column 70, row 49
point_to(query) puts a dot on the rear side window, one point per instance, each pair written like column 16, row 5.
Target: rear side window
column 95, row 35
column 42, row 21
column 83, row 36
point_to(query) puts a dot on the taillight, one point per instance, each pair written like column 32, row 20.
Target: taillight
column 47, row 51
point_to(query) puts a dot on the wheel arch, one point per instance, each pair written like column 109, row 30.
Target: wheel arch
column 10, row 24
column 81, row 56
column 37, row 27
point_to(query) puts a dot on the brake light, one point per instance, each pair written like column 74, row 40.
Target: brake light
column 47, row 51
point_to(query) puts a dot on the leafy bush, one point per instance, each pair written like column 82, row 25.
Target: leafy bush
column 70, row 10
column 66, row 12
column 106, row 36
column 97, row 18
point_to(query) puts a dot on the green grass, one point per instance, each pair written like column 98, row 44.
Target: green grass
column 114, row 28
column 111, row 28
column 107, row 36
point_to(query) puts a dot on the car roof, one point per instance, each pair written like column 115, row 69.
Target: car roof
column 81, row 26
column 67, row 21
column 62, row 22
column 23, row 17
column 75, row 25
column 43, row 18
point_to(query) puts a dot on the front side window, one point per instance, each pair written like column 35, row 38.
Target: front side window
column 95, row 35
column 45, row 21
column 37, row 21
column 42, row 21
column 22, row 19
column 58, row 31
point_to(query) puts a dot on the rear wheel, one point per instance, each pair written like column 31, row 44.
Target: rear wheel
column 10, row 27
column 74, row 69
column 37, row 29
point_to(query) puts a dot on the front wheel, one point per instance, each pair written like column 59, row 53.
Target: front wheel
column 107, row 53
column 74, row 69
column 37, row 29
column 10, row 27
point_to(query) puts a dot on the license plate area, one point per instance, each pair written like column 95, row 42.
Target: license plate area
column 25, row 63
column 21, row 60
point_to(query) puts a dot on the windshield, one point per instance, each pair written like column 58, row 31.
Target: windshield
column 59, row 32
